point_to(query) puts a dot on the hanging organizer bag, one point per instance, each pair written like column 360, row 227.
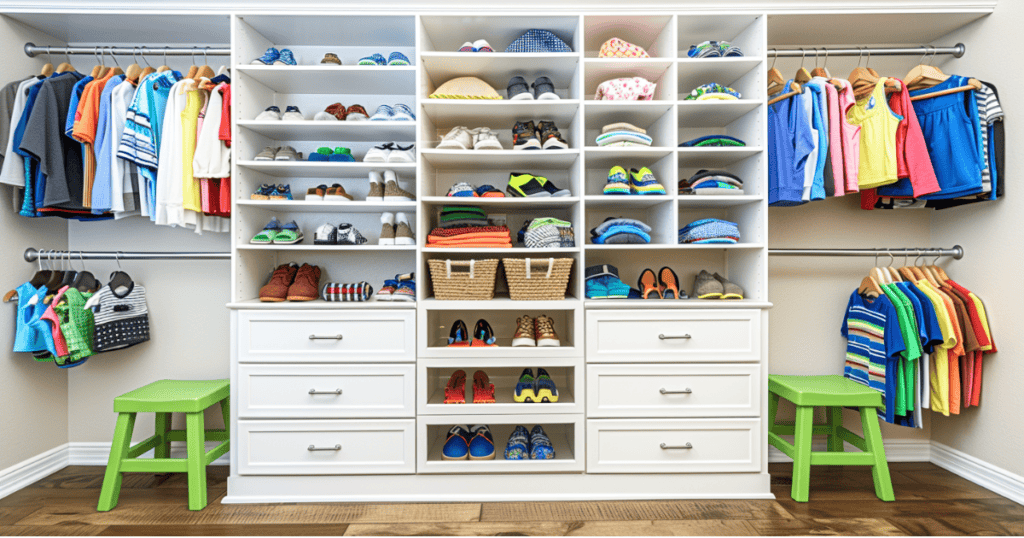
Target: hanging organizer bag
column 463, row 280
column 532, row 279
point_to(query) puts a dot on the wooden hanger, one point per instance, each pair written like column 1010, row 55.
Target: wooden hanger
column 116, row 70
column 164, row 67
column 794, row 89
column 48, row 66
column 972, row 84
column 820, row 71
column 134, row 70
column 205, row 71
column 65, row 66
column 194, row 70
column 776, row 82
column 924, row 75
column 802, row 74
column 100, row 69
column 869, row 287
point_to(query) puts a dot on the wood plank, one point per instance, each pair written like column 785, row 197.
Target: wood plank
column 631, row 510
column 10, row 515
column 147, row 514
column 475, row 528
column 948, row 485
column 710, row 527
column 947, row 508
column 960, row 526
column 569, row 528
column 826, row 527
column 91, row 477
column 224, row 530
column 84, row 498
column 51, row 530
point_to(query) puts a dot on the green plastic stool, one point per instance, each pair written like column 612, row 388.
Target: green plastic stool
column 163, row 398
column 833, row 392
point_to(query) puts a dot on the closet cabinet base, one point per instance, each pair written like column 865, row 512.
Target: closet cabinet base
column 489, row 488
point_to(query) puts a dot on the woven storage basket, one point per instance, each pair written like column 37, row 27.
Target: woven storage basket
column 537, row 279
column 463, row 280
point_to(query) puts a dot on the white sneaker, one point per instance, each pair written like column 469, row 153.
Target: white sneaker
column 324, row 116
column 481, row 45
column 402, row 155
column 292, row 113
column 486, row 139
column 458, row 138
column 272, row 113
column 378, row 154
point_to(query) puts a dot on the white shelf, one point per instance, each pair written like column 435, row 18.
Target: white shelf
column 714, row 157
column 364, row 131
column 712, row 113
column 320, row 169
column 514, row 160
column 563, row 461
column 659, row 246
column 330, row 248
column 320, row 304
column 313, row 206
column 496, row 68
column 614, row 201
column 540, row 252
column 639, row 113
column 504, row 404
column 507, row 202
column 693, row 72
column 498, row 114
column 630, row 304
column 723, row 200
column 502, row 303
column 334, row 80
column 605, row 158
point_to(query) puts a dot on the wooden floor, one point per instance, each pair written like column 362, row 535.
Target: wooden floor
column 931, row 501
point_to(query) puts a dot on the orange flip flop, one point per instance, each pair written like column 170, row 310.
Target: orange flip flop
column 483, row 389
column 648, row 284
column 455, row 391
column 668, row 283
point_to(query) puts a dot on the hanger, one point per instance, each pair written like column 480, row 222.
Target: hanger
column 869, row 285
column 860, row 77
column 973, row 84
column 932, row 270
column 893, row 273
column 36, row 281
column 802, row 74
column 56, row 277
column 820, row 71
column 924, row 75
column 70, row 275
column 134, row 70
column 205, row 71
column 905, row 270
column 926, row 274
column 149, row 70
column 100, row 69
column 120, row 278
column 48, row 66
column 192, row 71
column 776, row 82
column 116, row 70
column 65, row 66
column 794, row 89
column 85, row 282
column 164, row 67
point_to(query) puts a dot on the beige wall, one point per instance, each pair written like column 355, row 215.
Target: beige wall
column 34, row 396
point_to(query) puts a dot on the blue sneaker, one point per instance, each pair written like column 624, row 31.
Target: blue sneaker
column 383, row 113
column 281, row 192
column 286, row 58
column 397, row 58
column 540, row 445
column 545, row 387
column 457, row 445
column 525, row 388
column 268, row 57
column 482, row 445
column 518, row 447
column 617, row 289
column 375, row 59
column 403, row 112
column 596, row 289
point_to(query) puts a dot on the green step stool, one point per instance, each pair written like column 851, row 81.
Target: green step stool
column 834, row 392
column 163, row 398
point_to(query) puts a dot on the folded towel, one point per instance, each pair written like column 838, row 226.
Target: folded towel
column 620, row 221
column 622, row 234
column 713, row 140
column 623, row 136
column 622, row 126
column 709, row 231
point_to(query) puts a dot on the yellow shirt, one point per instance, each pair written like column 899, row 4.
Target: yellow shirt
column 940, row 357
column 192, row 199
column 878, row 125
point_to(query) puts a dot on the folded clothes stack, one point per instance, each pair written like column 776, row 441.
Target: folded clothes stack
column 706, row 92
column 457, row 216
column 623, row 134
column 470, row 237
column 603, row 282
column 711, row 182
column 547, row 232
column 712, row 141
column 709, row 231
column 620, row 230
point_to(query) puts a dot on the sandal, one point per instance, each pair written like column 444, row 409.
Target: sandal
column 289, row 234
column 268, row 234
column 483, row 335
column 648, row 284
column 336, row 193
column 459, row 335
column 483, row 389
column 668, row 283
column 455, row 390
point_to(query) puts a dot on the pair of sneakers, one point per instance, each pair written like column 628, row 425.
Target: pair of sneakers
column 543, row 135
column 342, row 234
column 603, row 282
column 278, row 234
column 336, row 155
column 534, row 445
column 400, row 288
column 289, row 282
column 540, row 389
column 480, row 45
column 636, row 181
column 323, row 193
column 395, row 230
column 524, row 185
column 283, row 153
column 713, row 49
column 483, row 335
column 541, row 89
column 535, row 332
column 462, row 137
column 272, row 192
column 399, row 112
column 273, row 113
column 338, row 112
column 391, row 152
column 474, row 443
column 395, row 58
column 714, row 286
column 276, row 57
column 384, row 188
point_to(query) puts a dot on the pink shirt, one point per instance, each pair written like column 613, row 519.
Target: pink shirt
column 912, row 159
column 850, row 136
column 835, row 147
column 59, row 344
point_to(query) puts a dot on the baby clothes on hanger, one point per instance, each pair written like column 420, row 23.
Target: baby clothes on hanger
column 791, row 144
column 78, row 326
column 121, row 319
column 877, row 138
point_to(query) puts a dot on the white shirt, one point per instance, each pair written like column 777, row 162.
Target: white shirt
column 121, row 182
column 170, row 194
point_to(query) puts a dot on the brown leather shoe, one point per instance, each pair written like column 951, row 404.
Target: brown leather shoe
column 306, row 286
column 357, row 113
column 276, row 290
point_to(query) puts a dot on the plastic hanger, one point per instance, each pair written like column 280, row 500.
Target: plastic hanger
column 164, row 67
column 56, row 277
column 48, row 66
column 776, row 82
column 802, row 74
column 85, row 282
column 119, row 278
column 65, row 66
column 70, row 275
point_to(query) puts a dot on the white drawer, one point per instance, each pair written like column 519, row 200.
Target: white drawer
column 673, row 390
column 335, row 336
column 673, row 336
column 636, row 446
column 278, row 447
column 326, row 391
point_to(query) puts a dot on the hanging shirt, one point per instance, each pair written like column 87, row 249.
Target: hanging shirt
column 913, row 163
column 84, row 130
column 169, row 209
column 850, row 137
column 49, row 321
column 790, row 144
column 102, row 188
column 874, row 342
column 952, row 133
column 122, row 320
column 60, row 158
column 819, row 109
column 877, row 138
column 835, row 180
column 143, row 129
column 807, row 99
column 124, row 172
column 13, row 171
column 77, row 324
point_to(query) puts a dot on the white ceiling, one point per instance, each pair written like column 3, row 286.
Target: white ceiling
column 116, row 28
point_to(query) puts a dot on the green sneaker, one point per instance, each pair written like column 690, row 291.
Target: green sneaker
column 525, row 186
column 269, row 232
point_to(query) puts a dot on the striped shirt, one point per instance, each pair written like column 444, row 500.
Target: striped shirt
column 989, row 111
column 121, row 320
column 874, row 342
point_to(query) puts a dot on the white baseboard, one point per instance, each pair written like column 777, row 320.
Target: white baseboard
column 896, row 450
column 97, row 453
column 984, row 474
column 33, row 469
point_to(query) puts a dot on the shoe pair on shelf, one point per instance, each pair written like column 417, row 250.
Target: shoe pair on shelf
column 483, row 335
column 396, row 230
column 395, row 58
column 541, row 89
column 531, row 389
column 292, row 283
column 462, row 137
column 278, row 234
column 400, row 288
column 480, row 45
column 663, row 285
column 396, row 113
column 535, row 332
column 391, row 152
column 336, row 155
column 323, row 193
column 522, row 185
column 385, row 188
column 276, row 57
column 455, row 390
column 475, row 443
column 463, row 189
column 342, row 234
column 338, row 112
column 640, row 181
column 272, row 192
column 715, row 286
column 543, row 135
column 273, row 113
column 603, row 282
column 284, row 153
column 534, row 445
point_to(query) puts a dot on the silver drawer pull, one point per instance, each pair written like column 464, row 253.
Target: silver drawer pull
column 313, row 448
column 335, row 392
column 683, row 337
column 670, row 447
column 316, row 337
column 687, row 390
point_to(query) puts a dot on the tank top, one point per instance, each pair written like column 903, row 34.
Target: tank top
column 878, row 124
column 27, row 337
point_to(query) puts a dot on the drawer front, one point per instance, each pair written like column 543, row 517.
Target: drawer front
column 326, row 391
column 278, row 447
column 335, row 336
column 660, row 446
column 673, row 336
column 673, row 390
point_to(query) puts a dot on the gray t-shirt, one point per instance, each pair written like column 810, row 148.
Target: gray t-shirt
column 6, row 111
column 60, row 158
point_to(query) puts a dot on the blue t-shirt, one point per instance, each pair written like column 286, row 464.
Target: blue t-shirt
column 874, row 343
column 76, row 96
column 101, row 186
column 790, row 142
column 931, row 320
column 819, row 106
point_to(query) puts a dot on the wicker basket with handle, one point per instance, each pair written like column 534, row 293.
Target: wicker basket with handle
column 463, row 280
column 537, row 279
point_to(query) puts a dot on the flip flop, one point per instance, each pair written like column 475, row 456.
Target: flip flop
column 483, row 389
column 268, row 234
column 668, row 283
column 455, row 390
column 648, row 284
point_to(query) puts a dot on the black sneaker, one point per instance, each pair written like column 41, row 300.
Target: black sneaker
column 519, row 90
column 483, row 335
column 544, row 89
column 551, row 189
column 525, row 186
column 550, row 137
column 524, row 136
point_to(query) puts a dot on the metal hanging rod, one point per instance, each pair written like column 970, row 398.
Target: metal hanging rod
column 957, row 252
column 32, row 255
column 957, row 51
column 32, row 50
